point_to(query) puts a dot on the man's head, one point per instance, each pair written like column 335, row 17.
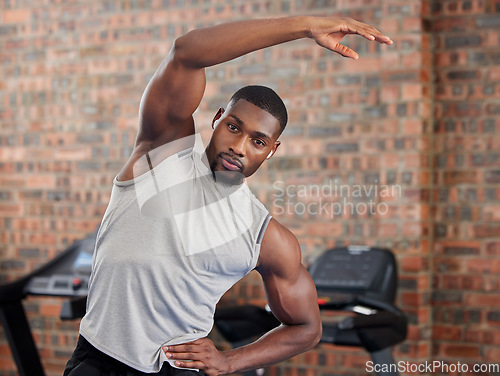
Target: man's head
column 266, row 99
column 246, row 133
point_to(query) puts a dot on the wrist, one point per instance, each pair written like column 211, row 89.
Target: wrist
column 304, row 25
column 229, row 367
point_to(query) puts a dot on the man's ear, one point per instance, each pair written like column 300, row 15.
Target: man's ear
column 217, row 116
column 273, row 150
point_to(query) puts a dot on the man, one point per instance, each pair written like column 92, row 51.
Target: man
column 182, row 226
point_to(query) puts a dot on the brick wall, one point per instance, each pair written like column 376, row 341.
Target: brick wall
column 418, row 119
column 465, row 194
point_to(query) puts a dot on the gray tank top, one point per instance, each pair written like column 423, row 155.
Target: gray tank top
column 172, row 241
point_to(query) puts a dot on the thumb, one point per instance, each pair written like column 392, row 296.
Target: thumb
column 345, row 51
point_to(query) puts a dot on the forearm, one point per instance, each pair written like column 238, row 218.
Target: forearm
column 277, row 345
column 213, row 45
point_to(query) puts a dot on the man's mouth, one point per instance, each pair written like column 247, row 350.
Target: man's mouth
column 231, row 164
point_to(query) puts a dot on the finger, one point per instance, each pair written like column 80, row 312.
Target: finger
column 179, row 348
column 173, row 348
column 182, row 355
column 370, row 33
column 345, row 51
column 375, row 35
column 192, row 364
column 361, row 31
column 381, row 38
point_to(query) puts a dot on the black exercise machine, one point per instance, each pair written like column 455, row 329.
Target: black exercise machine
column 362, row 280
column 66, row 275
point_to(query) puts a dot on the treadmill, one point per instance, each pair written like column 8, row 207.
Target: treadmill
column 67, row 275
column 362, row 280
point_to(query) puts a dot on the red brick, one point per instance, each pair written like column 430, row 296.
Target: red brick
column 490, row 38
column 412, row 92
column 355, row 361
column 486, row 230
column 492, row 355
column 391, row 93
column 491, row 213
column 412, row 299
column 466, row 176
column 41, row 181
column 482, row 336
column 460, row 351
column 412, row 126
column 16, row 16
column 364, row 65
column 389, row 25
column 413, row 263
column 457, row 247
column 448, row 264
column 492, row 248
column 488, row 266
column 411, row 229
column 50, row 310
column 11, row 210
column 482, row 300
column 7, row 364
column 447, row 333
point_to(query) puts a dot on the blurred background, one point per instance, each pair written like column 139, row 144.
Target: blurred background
column 421, row 117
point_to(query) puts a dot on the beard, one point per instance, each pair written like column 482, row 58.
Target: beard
column 225, row 176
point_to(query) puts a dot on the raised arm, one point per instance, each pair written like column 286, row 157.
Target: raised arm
column 291, row 294
column 177, row 87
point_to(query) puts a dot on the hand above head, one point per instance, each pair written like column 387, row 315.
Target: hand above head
column 177, row 87
column 200, row 354
column 329, row 31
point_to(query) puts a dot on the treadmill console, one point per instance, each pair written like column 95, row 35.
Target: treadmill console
column 342, row 274
column 68, row 274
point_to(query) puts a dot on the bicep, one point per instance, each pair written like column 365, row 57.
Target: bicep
column 170, row 99
column 293, row 301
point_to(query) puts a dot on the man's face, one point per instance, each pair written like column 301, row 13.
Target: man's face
column 244, row 136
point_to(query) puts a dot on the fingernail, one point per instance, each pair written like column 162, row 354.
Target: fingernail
column 165, row 348
column 169, row 355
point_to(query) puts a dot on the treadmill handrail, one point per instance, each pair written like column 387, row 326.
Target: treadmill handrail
column 377, row 304
column 362, row 301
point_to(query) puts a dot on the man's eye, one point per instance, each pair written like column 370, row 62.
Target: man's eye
column 232, row 127
column 259, row 143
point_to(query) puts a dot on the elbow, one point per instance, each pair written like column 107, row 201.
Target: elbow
column 313, row 336
column 178, row 51
column 316, row 337
column 182, row 51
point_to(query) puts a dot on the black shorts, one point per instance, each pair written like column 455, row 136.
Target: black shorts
column 88, row 361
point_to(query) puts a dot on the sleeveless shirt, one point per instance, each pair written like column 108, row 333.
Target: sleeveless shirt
column 171, row 242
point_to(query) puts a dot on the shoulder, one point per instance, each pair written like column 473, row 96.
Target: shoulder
column 280, row 250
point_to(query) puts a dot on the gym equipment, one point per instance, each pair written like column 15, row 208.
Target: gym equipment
column 362, row 280
column 67, row 275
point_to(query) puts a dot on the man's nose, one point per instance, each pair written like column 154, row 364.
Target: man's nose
column 239, row 146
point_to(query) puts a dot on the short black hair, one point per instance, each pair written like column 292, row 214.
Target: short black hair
column 264, row 98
